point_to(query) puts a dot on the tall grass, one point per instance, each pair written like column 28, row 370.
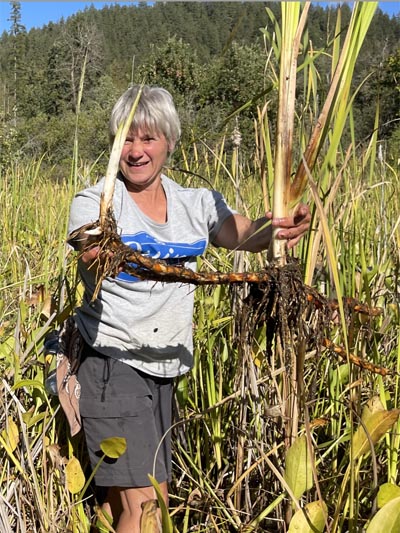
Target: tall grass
column 222, row 476
column 231, row 469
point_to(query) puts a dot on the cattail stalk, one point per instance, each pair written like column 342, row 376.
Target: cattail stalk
column 292, row 29
column 113, row 164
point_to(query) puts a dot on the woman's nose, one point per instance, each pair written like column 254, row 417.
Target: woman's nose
column 136, row 148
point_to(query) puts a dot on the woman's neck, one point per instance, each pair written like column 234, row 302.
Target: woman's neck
column 152, row 201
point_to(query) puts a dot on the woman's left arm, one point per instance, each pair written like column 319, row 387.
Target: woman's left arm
column 240, row 233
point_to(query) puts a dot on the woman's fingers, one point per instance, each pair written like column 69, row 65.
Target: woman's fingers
column 90, row 255
column 293, row 227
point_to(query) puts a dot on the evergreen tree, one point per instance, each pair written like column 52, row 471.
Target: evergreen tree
column 210, row 55
column 18, row 33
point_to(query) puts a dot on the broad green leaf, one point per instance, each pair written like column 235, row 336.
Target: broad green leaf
column 33, row 420
column 386, row 519
column 298, row 471
column 27, row 416
column 11, row 434
column 376, row 424
column 317, row 513
column 75, row 475
column 387, row 492
column 339, row 375
column 182, row 391
column 28, row 383
column 113, row 447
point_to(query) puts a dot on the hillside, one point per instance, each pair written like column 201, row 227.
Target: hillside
column 211, row 56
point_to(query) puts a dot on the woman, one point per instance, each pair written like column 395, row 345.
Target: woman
column 138, row 334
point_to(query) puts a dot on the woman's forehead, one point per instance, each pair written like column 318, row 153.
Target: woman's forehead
column 142, row 129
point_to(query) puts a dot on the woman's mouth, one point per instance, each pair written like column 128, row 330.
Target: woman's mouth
column 137, row 165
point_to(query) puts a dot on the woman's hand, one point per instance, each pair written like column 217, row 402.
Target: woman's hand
column 89, row 256
column 241, row 233
column 292, row 228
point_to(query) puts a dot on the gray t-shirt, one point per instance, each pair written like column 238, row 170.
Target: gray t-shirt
column 148, row 324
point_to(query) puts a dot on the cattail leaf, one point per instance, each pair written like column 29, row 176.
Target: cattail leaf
column 11, row 434
column 386, row 493
column 335, row 109
column 376, row 425
column 75, row 476
column 167, row 526
column 386, row 519
column 113, row 447
column 298, row 471
column 316, row 512
column 104, row 521
column 292, row 28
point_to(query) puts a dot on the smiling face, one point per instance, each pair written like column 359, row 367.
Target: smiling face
column 142, row 158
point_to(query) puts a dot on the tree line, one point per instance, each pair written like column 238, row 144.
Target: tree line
column 64, row 78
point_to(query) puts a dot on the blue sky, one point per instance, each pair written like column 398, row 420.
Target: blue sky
column 37, row 14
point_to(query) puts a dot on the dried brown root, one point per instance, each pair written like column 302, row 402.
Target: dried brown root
column 351, row 304
column 159, row 270
column 362, row 363
column 116, row 256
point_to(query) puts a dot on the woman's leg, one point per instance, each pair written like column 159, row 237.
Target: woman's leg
column 125, row 505
column 112, row 506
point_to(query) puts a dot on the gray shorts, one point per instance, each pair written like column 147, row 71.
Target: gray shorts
column 119, row 401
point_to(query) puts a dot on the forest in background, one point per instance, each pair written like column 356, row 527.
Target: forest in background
column 65, row 77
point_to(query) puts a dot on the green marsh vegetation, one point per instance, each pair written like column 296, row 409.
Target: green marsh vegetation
column 270, row 424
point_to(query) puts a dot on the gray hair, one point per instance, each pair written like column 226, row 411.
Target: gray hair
column 155, row 113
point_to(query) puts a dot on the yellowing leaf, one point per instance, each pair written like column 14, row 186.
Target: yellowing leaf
column 298, row 470
column 149, row 520
column 376, row 424
column 372, row 406
column 75, row 476
column 387, row 492
column 317, row 513
column 113, row 447
column 11, row 434
column 386, row 519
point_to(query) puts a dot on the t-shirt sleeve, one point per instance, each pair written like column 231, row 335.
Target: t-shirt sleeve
column 217, row 211
column 85, row 209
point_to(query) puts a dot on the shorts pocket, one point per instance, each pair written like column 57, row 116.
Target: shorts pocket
column 114, row 408
column 110, row 388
